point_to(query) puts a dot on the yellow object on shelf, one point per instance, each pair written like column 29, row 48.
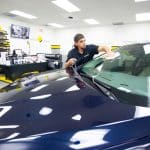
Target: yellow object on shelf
column 4, row 42
column 55, row 46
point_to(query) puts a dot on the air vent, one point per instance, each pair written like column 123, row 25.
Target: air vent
column 118, row 23
column 46, row 25
column 70, row 17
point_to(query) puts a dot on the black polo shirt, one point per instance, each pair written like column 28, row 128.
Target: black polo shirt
column 87, row 55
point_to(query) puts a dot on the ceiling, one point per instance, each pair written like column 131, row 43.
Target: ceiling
column 105, row 11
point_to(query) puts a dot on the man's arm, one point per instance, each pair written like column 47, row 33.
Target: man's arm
column 96, row 49
column 105, row 49
column 69, row 62
column 109, row 53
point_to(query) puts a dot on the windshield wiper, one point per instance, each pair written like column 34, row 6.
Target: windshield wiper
column 105, row 89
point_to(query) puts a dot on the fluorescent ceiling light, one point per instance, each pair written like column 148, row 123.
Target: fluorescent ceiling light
column 56, row 25
column 141, row 0
column 91, row 21
column 22, row 14
column 66, row 5
column 143, row 17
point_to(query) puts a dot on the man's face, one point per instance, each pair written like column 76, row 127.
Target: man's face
column 81, row 43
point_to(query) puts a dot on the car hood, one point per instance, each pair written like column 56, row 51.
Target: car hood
column 56, row 102
column 129, row 134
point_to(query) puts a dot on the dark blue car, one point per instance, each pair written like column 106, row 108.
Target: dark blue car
column 104, row 104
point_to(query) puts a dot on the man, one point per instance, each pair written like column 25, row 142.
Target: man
column 82, row 53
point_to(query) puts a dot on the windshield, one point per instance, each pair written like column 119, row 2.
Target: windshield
column 128, row 73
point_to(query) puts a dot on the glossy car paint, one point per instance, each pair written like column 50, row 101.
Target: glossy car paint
column 58, row 110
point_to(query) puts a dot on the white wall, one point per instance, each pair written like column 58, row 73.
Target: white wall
column 111, row 35
column 35, row 46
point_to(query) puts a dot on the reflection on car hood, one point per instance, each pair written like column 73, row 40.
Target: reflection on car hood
column 58, row 103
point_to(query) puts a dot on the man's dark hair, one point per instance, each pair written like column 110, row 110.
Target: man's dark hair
column 78, row 37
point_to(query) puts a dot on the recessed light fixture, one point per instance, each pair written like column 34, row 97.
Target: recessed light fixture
column 141, row 0
column 91, row 21
column 143, row 17
column 118, row 23
column 66, row 5
column 70, row 17
column 56, row 25
column 22, row 14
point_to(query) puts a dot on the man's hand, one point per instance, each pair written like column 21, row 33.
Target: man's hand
column 106, row 49
column 70, row 62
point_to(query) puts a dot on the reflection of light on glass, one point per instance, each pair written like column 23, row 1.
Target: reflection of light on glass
column 124, row 89
column 147, row 49
column 142, row 111
column 72, row 88
column 99, row 68
column 11, row 136
column 77, row 117
column 9, row 126
column 40, row 97
column 89, row 138
column 45, row 111
column 4, row 110
column 63, row 78
column 39, row 88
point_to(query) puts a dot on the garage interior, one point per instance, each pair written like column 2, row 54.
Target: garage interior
column 36, row 37
column 50, row 29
